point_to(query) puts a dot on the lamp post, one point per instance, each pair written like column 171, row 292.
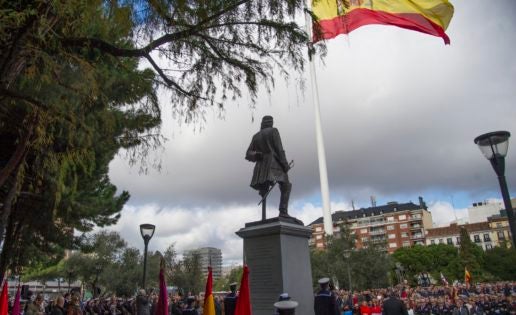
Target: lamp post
column 70, row 273
column 147, row 231
column 494, row 146
column 347, row 254
column 98, row 270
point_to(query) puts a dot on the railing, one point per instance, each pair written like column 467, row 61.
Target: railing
column 377, row 232
column 416, row 236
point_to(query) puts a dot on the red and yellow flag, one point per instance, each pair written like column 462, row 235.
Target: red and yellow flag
column 209, row 304
column 4, row 299
column 343, row 16
column 467, row 276
column 243, row 306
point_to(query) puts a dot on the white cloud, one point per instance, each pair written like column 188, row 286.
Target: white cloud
column 443, row 213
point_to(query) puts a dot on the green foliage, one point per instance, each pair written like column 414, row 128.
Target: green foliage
column 368, row 267
column 74, row 91
column 433, row 259
column 500, row 262
column 222, row 284
column 471, row 256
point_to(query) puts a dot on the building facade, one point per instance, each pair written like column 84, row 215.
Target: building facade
column 395, row 225
column 488, row 234
column 207, row 256
column 480, row 211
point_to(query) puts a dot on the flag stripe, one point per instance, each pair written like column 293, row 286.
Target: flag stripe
column 426, row 16
column 344, row 24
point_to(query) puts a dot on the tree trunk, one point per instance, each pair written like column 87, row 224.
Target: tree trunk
column 19, row 154
column 8, row 202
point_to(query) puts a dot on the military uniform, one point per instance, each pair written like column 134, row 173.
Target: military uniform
column 324, row 302
column 230, row 300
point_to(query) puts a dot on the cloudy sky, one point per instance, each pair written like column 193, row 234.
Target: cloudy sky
column 399, row 110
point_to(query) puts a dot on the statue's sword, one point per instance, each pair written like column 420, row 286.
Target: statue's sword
column 290, row 165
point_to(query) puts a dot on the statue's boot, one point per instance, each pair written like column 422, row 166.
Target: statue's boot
column 285, row 189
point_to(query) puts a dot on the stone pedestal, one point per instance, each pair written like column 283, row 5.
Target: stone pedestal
column 276, row 251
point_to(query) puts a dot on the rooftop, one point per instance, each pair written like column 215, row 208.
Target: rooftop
column 371, row 211
column 454, row 229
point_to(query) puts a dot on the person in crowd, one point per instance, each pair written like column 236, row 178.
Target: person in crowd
column 190, row 306
column 393, row 306
column 324, row 302
column 230, row 300
column 286, row 307
column 58, row 307
column 36, row 307
column 74, row 307
column 142, row 303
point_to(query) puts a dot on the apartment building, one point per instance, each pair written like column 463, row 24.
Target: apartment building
column 493, row 232
column 207, row 256
column 394, row 224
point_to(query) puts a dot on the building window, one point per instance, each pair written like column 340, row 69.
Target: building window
column 404, row 234
column 406, row 243
column 390, row 219
column 458, row 240
column 363, row 231
column 393, row 245
column 441, row 241
column 476, row 238
column 501, row 235
column 489, row 246
column 364, row 239
column 498, row 225
column 318, row 229
column 432, row 242
column 449, row 241
column 390, row 227
column 318, row 237
column 402, row 217
column 391, row 236
column 487, row 238
column 403, row 226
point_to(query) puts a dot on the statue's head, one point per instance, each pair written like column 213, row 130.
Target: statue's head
column 267, row 121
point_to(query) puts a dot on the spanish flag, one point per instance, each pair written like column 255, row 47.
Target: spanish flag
column 209, row 304
column 343, row 16
column 467, row 276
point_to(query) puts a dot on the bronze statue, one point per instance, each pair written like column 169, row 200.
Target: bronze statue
column 271, row 165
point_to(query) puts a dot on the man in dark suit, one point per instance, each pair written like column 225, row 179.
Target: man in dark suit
column 394, row 306
column 230, row 300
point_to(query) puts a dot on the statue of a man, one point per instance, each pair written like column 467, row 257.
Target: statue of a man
column 271, row 165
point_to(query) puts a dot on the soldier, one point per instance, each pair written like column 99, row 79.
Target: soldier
column 190, row 310
column 324, row 303
column 271, row 165
column 286, row 307
column 230, row 300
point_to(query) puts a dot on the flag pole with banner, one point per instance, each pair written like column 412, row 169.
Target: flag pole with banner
column 209, row 304
column 321, row 152
column 162, row 307
column 243, row 306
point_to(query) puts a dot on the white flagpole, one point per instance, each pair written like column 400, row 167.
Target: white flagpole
column 321, row 153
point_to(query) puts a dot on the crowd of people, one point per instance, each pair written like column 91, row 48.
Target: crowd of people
column 481, row 299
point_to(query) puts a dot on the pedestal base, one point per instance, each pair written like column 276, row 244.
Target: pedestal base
column 278, row 257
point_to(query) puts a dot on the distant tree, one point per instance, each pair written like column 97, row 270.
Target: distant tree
column 500, row 262
column 222, row 284
column 471, row 256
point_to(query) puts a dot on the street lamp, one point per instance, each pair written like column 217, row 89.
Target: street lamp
column 494, row 146
column 347, row 254
column 147, row 231
column 98, row 270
